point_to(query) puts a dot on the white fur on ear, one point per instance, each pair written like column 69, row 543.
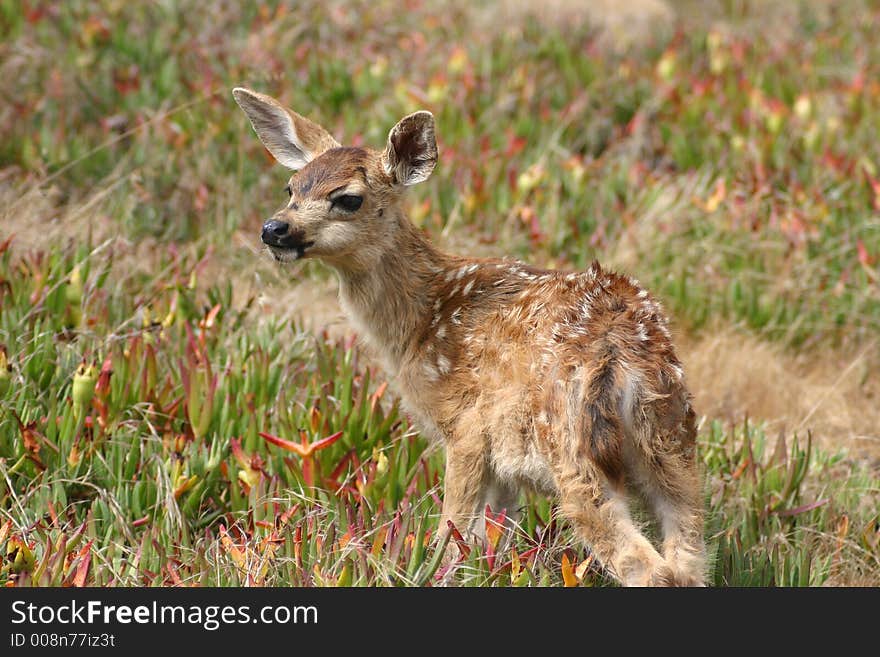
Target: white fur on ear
column 292, row 139
column 411, row 153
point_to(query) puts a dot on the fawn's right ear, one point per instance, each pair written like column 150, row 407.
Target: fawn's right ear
column 292, row 139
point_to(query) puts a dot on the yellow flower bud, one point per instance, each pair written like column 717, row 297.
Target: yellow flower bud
column 75, row 455
column 530, row 178
column 666, row 65
column 381, row 462
column 803, row 107
column 5, row 372
column 73, row 294
column 378, row 67
column 84, row 380
column 74, row 290
column 249, row 476
column 21, row 556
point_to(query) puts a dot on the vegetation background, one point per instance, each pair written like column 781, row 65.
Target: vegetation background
column 176, row 410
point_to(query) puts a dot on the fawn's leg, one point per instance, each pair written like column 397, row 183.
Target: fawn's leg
column 589, row 468
column 669, row 477
column 600, row 514
column 464, row 486
column 674, row 493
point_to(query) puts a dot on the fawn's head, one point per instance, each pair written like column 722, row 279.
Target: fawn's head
column 343, row 201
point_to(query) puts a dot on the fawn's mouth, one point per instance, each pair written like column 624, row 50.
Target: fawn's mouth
column 289, row 253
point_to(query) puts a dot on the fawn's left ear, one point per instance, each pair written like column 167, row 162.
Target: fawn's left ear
column 411, row 154
column 292, row 139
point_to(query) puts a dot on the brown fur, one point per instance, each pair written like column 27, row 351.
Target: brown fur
column 565, row 382
column 334, row 170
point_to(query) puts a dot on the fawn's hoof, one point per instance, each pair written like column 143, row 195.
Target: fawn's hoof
column 680, row 578
column 451, row 555
column 687, row 567
column 643, row 569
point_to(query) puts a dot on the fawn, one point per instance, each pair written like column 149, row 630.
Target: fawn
column 566, row 382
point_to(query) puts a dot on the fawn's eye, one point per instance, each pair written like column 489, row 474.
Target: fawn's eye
column 347, row 202
column 289, row 191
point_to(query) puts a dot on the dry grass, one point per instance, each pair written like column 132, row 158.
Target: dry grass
column 619, row 23
column 831, row 393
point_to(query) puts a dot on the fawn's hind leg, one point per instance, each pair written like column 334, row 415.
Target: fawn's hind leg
column 674, row 494
column 600, row 513
column 669, row 477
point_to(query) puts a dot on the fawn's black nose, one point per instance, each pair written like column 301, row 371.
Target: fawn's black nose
column 274, row 231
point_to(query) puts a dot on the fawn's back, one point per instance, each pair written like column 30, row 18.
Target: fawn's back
column 522, row 357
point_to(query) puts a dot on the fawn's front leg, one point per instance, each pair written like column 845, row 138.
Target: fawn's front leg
column 464, row 488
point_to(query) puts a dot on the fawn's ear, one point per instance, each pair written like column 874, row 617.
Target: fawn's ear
column 411, row 154
column 292, row 139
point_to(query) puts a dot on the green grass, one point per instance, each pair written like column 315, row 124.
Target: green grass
column 735, row 175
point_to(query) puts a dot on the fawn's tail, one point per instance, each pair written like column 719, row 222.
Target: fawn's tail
column 604, row 421
column 654, row 413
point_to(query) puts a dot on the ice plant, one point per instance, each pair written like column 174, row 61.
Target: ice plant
column 102, row 393
column 74, row 456
column 73, row 294
column 32, row 441
column 568, row 576
column 495, row 523
column 200, row 386
column 251, row 466
column 19, row 555
column 84, row 380
column 305, row 450
column 5, row 371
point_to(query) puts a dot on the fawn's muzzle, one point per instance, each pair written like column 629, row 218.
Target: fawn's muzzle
column 279, row 235
column 274, row 232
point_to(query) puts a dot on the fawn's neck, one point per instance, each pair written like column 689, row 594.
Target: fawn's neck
column 389, row 300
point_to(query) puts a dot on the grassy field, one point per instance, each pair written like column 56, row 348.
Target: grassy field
column 176, row 410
